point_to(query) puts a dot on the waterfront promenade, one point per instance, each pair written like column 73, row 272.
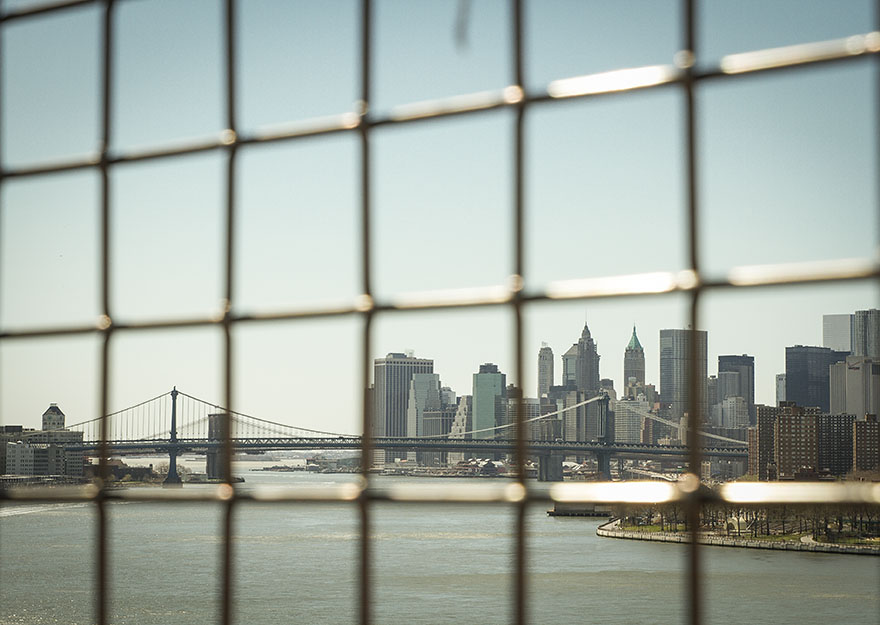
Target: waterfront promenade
column 611, row 530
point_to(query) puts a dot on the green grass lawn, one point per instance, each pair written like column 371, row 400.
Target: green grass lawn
column 849, row 540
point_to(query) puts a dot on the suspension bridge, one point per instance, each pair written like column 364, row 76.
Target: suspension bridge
column 175, row 422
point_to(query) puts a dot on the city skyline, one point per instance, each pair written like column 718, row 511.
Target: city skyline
column 271, row 205
column 602, row 178
column 447, row 377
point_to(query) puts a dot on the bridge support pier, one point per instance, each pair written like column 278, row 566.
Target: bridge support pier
column 603, row 460
column 172, row 480
column 550, row 467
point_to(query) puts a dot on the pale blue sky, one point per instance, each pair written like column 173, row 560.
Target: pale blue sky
column 786, row 174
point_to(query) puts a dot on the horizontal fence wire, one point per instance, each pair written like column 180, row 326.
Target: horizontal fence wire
column 681, row 74
column 507, row 492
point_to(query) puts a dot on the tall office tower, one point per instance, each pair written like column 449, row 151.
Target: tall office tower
column 574, row 420
column 392, row 376
column 569, row 366
column 596, row 421
column 712, row 397
column 462, row 423
column 424, row 394
column 447, row 396
column 587, row 363
column 728, row 385
column 675, row 366
column 780, row 388
column 807, row 376
column 855, row 386
column 629, row 420
column 606, row 385
column 550, row 427
column 53, row 418
column 866, row 333
column 744, row 365
column 734, row 412
column 490, row 387
column 438, row 422
column 837, row 388
column 545, row 369
column 633, row 365
column 531, row 408
column 837, row 332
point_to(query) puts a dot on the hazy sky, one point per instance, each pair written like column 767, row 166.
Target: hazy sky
column 786, row 164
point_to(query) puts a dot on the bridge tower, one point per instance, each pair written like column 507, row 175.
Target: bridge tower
column 603, row 458
column 172, row 480
column 213, row 466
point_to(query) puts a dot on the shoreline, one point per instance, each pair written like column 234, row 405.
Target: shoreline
column 607, row 530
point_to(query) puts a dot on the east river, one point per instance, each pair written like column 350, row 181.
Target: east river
column 434, row 564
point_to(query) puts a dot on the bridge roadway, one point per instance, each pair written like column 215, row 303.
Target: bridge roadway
column 409, row 444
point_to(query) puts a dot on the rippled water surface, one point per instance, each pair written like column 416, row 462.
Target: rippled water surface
column 433, row 564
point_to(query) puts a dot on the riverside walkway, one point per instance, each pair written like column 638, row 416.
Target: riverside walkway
column 611, row 529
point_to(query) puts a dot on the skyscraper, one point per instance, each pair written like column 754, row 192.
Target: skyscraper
column 424, row 394
column 837, row 331
column 461, row 423
column 569, row 366
column 633, row 365
column 392, row 376
column 807, row 375
column 744, row 365
column 545, row 369
column 855, row 386
column 490, row 387
column 587, row 363
column 866, row 333
column 780, row 388
column 676, row 365
column 727, row 385
column 629, row 420
column 53, row 418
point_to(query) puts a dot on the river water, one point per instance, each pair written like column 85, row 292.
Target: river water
column 434, row 564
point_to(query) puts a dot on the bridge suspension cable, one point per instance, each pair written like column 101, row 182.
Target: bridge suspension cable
column 118, row 412
column 654, row 417
column 266, row 421
column 511, row 425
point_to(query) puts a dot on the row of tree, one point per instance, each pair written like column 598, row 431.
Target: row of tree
column 824, row 523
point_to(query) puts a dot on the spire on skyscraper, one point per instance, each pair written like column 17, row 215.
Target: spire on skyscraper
column 587, row 363
column 585, row 334
column 634, row 341
column 633, row 367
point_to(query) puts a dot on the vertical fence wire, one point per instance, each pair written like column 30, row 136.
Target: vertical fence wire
column 876, row 62
column 365, row 555
column 227, row 589
column 103, row 547
column 131, row 422
column 2, row 185
column 687, row 61
column 520, row 585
